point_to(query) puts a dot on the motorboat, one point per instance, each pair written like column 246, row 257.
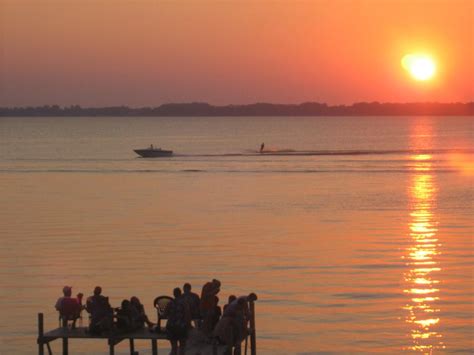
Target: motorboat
column 152, row 152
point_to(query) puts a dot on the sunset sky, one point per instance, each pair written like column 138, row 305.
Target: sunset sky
column 137, row 53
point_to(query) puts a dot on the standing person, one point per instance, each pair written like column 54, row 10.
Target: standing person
column 209, row 305
column 232, row 328
column 231, row 299
column 179, row 320
column 261, row 147
column 216, row 314
column 193, row 301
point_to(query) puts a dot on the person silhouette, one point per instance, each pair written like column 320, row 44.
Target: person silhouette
column 261, row 147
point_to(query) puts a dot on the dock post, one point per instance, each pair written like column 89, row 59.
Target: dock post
column 111, row 346
column 65, row 346
column 253, row 334
column 132, row 346
column 154, row 347
column 40, row 334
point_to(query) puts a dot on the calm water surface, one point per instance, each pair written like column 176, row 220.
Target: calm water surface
column 357, row 236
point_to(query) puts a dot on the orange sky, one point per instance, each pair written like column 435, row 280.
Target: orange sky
column 111, row 52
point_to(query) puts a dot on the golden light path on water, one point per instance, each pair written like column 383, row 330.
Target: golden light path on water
column 422, row 283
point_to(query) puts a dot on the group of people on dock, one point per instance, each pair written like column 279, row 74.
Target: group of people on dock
column 129, row 316
column 186, row 310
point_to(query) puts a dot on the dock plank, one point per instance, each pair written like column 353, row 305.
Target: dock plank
column 195, row 345
column 81, row 333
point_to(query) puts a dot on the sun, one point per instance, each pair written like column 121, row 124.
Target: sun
column 420, row 66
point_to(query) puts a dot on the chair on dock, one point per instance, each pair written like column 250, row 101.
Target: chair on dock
column 70, row 311
column 161, row 303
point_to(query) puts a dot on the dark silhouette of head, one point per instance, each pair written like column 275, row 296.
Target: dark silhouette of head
column 134, row 300
column 241, row 302
column 216, row 282
column 97, row 290
column 232, row 298
column 125, row 304
column 177, row 292
column 67, row 291
column 187, row 287
column 252, row 297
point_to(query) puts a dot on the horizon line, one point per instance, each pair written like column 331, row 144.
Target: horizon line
column 191, row 109
column 470, row 102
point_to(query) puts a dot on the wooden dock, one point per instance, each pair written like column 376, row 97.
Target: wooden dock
column 195, row 345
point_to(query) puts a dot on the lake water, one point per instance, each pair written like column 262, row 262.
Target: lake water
column 357, row 235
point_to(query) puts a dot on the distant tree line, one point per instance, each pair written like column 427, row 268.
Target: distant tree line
column 257, row 109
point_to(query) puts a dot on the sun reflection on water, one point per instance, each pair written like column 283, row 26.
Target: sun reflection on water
column 422, row 285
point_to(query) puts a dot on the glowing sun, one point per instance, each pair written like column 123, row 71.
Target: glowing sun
column 420, row 66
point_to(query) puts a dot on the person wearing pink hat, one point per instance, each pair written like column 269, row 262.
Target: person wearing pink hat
column 68, row 307
column 67, row 291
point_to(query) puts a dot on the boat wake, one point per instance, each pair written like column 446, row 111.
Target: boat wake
column 291, row 152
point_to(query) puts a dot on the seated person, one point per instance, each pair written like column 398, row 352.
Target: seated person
column 125, row 321
column 138, row 313
column 68, row 307
column 101, row 313
column 79, row 298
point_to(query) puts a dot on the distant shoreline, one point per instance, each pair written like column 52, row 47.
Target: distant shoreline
column 195, row 109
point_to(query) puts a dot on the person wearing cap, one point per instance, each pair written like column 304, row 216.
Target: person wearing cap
column 67, row 291
column 68, row 307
